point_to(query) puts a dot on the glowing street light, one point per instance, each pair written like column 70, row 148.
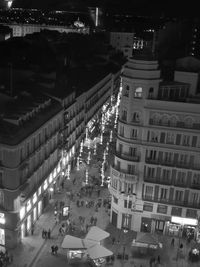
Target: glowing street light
column 89, row 158
column 78, row 168
column 111, row 135
column 86, row 176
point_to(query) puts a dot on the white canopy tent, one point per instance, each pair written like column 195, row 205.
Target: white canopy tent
column 90, row 244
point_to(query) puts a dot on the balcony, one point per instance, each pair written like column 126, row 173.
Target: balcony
column 127, row 156
column 157, row 180
column 172, row 163
column 187, row 204
column 179, row 124
column 123, row 175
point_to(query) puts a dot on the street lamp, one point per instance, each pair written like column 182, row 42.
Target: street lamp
column 86, row 176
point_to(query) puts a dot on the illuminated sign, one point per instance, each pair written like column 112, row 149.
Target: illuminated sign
column 2, row 218
column 45, row 185
column 50, row 178
column 183, row 221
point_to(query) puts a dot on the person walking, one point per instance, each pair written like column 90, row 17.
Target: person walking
column 49, row 234
column 172, row 242
column 56, row 250
column 113, row 240
column 52, row 250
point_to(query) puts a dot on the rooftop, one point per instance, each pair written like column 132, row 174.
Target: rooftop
column 23, row 115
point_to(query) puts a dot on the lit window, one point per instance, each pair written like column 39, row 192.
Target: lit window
column 28, row 205
column 34, row 198
column 50, row 178
column 138, row 92
column 45, row 185
column 39, row 190
column 2, row 218
column 22, row 213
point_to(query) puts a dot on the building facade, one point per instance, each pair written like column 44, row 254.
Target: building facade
column 155, row 182
column 30, row 165
column 22, row 29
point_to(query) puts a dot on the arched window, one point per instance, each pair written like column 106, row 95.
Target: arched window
column 188, row 122
column 138, row 92
column 156, row 118
column 165, row 120
column 173, row 121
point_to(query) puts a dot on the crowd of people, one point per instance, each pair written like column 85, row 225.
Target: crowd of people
column 5, row 258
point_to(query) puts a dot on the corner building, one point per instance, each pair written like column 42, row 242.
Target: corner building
column 155, row 177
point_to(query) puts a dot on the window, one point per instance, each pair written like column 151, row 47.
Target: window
column 118, row 167
column 181, row 178
column 134, row 134
column 136, row 117
column 162, row 209
column 126, row 91
column 185, row 140
column 149, row 191
column 121, row 130
column 178, row 195
column 138, row 92
column 150, row 172
column 170, row 139
column 196, row 179
column 125, row 203
column 194, row 198
column 131, row 169
column 168, row 156
column 115, row 200
column 124, row 115
column 191, row 213
column 148, row 207
column 132, row 151
column 151, row 92
column 163, row 193
column 176, row 211
column 130, row 204
column 1, row 179
column 154, row 137
column 166, row 175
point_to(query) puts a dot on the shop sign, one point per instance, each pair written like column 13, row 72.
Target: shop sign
column 184, row 221
column 2, row 218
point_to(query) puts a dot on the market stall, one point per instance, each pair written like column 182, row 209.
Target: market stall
column 89, row 248
column 145, row 243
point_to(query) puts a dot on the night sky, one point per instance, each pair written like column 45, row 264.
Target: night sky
column 147, row 7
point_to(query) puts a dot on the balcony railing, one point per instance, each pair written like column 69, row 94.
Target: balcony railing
column 179, row 124
column 173, row 164
column 164, row 181
column 127, row 156
column 172, row 202
column 123, row 174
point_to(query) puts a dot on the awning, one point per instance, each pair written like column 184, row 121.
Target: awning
column 96, row 234
column 72, row 242
column 99, row 251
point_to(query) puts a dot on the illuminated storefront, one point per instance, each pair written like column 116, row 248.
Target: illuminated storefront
column 179, row 224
